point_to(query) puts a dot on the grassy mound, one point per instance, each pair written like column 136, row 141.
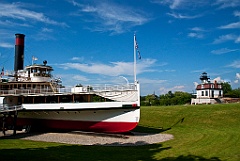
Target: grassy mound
column 207, row 131
column 202, row 132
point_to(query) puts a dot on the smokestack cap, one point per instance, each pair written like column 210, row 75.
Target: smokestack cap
column 19, row 35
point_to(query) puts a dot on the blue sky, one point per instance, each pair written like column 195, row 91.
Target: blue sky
column 91, row 42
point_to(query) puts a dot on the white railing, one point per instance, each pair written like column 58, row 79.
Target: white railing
column 25, row 91
column 120, row 95
column 85, row 89
column 6, row 108
column 107, row 87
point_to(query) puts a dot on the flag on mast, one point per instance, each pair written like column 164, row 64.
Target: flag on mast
column 34, row 58
column 136, row 44
column 136, row 47
column 2, row 72
column 139, row 55
column 136, row 50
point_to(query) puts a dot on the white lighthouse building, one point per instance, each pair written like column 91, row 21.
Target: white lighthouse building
column 208, row 92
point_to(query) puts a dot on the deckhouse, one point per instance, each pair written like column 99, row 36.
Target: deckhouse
column 208, row 92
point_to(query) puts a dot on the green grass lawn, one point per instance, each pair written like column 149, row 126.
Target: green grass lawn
column 202, row 132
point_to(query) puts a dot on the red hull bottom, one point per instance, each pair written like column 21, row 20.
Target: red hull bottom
column 106, row 127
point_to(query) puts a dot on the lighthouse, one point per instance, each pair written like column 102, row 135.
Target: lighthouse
column 208, row 91
column 204, row 78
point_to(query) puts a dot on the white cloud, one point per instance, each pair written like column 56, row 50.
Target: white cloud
column 6, row 45
column 234, row 25
column 237, row 13
column 164, row 90
column 80, row 78
column 196, row 32
column 237, row 39
column 199, row 70
column 181, row 16
column 191, row 5
column 113, row 69
column 195, row 35
column 151, row 81
column 231, row 26
column 175, row 4
column 75, row 79
column 197, row 29
column 237, row 78
column 235, row 64
column 16, row 11
column 228, row 37
column 223, row 51
column 227, row 3
column 44, row 36
column 170, row 70
column 77, row 58
column 112, row 17
column 195, row 84
column 218, row 79
column 238, row 75
column 11, row 23
column 44, row 29
column 181, row 4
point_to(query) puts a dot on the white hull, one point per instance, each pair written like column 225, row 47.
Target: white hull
column 104, row 117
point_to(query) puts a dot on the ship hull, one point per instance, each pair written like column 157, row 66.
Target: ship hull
column 68, row 125
column 108, row 120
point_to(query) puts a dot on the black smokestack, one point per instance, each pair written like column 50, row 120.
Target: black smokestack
column 19, row 52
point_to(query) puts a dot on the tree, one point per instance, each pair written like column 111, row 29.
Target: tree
column 151, row 99
column 182, row 97
column 176, row 98
column 226, row 88
column 235, row 93
column 170, row 94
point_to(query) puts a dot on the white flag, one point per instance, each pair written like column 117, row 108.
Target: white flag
column 34, row 58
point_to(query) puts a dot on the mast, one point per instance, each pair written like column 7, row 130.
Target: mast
column 134, row 57
column 135, row 50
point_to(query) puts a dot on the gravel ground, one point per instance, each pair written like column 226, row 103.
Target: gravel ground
column 88, row 138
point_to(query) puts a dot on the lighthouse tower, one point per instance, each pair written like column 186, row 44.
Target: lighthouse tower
column 208, row 92
column 204, row 78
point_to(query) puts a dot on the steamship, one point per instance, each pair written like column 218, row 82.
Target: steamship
column 32, row 98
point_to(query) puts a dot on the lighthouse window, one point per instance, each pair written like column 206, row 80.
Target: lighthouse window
column 206, row 93
column 202, row 93
column 212, row 93
column 220, row 93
